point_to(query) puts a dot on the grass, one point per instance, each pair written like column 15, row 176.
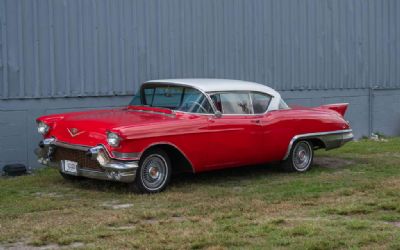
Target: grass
column 352, row 202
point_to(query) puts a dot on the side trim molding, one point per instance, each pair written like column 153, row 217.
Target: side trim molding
column 331, row 139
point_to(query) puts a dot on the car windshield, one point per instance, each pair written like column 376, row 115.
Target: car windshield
column 178, row 98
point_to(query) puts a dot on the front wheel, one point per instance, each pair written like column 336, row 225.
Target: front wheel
column 154, row 172
column 300, row 158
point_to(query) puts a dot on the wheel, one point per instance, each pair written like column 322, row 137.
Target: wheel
column 154, row 172
column 70, row 177
column 300, row 158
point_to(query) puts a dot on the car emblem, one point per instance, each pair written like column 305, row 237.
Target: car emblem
column 74, row 132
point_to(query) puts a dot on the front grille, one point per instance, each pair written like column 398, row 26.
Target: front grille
column 77, row 156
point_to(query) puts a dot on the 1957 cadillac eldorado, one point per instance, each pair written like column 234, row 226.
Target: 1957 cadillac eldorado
column 190, row 125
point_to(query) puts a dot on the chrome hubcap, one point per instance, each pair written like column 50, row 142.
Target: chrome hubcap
column 154, row 172
column 302, row 154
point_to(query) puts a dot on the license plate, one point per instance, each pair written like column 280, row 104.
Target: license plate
column 70, row 167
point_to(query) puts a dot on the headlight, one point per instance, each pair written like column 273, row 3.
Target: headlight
column 43, row 128
column 113, row 139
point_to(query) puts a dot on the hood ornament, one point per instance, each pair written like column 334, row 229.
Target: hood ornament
column 74, row 132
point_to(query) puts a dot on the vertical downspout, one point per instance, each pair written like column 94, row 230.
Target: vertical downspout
column 370, row 109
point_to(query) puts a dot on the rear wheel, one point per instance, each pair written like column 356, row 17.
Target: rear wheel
column 300, row 158
column 154, row 172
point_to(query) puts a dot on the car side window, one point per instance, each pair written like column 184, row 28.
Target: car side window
column 260, row 102
column 232, row 102
column 194, row 101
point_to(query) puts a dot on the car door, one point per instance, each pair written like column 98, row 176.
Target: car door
column 234, row 136
column 267, row 130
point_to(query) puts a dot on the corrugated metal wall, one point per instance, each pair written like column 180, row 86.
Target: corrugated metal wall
column 56, row 48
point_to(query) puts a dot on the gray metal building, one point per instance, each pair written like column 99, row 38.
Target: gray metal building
column 63, row 55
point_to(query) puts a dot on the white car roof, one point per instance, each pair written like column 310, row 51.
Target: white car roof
column 216, row 85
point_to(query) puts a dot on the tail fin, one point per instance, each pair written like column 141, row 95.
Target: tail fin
column 341, row 108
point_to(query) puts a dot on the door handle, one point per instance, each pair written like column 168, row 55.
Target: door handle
column 256, row 121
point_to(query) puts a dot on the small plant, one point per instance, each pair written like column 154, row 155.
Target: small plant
column 378, row 136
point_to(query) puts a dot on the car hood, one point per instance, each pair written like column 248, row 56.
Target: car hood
column 90, row 127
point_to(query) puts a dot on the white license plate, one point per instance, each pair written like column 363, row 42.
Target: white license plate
column 70, row 167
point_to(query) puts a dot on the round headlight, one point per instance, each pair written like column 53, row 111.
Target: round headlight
column 113, row 139
column 43, row 128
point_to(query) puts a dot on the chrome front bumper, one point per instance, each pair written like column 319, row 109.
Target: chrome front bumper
column 110, row 169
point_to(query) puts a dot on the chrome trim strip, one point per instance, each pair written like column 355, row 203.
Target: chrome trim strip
column 71, row 146
column 49, row 141
column 121, row 155
column 344, row 136
column 176, row 147
column 150, row 111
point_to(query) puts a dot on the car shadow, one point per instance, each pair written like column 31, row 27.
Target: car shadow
column 222, row 175
column 214, row 177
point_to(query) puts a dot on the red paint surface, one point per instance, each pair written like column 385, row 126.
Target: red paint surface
column 207, row 141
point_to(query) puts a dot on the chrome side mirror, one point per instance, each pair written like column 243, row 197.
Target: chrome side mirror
column 218, row 114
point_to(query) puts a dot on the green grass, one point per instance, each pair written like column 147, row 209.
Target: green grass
column 352, row 202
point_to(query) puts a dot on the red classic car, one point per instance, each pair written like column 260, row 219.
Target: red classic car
column 190, row 125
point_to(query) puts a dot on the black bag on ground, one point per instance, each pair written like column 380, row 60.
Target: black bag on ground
column 14, row 169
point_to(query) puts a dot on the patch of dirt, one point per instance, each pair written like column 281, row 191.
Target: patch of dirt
column 388, row 154
column 150, row 221
column 48, row 195
column 121, row 206
column 123, row 228
column 115, row 205
column 178, row 218
column 332, row 163
column 395, row 223
column 25, row 246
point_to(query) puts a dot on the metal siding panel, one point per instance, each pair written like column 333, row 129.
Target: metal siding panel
column 128, row 50
column 43, row 43
column 269, row 49
column 102, row 48
column 20, row 51
column 397, row 42
column 12, row 48
column 392, row 44
column 67, row 38
column 51, row 48
column 87, row 43
column 85, row 48
column 81, row 49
